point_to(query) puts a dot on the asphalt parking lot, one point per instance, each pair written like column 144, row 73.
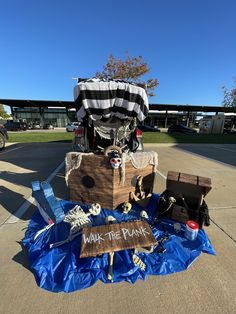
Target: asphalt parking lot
column 209, row 285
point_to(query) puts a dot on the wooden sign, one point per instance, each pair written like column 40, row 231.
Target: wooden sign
column 116, row 237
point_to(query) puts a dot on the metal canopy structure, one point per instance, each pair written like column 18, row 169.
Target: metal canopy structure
column 25, row 103
column 191, row 108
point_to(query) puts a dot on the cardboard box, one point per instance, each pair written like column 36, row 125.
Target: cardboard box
column 91, row 178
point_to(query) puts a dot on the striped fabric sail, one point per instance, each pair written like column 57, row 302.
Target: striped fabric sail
column 105, row 99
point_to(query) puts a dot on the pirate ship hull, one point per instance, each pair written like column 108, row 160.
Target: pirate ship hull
column 91, row 179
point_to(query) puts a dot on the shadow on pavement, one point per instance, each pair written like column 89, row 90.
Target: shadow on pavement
column 35, row 160
column 22, row 163
column 22, row 257
column 219, row 147
column 10, row 200
column 225, row 153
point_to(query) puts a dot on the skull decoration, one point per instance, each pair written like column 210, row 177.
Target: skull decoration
column 144, row 214
column 177, row 227
column 95, row 209
column 115, row 160
column 126, row 207
column 110, row 220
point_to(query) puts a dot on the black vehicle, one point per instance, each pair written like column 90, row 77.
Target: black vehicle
column 3, row 136
column 147, row 128
column 15, row 126
column 180, row 128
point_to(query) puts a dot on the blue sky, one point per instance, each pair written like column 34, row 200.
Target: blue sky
column 190, row 45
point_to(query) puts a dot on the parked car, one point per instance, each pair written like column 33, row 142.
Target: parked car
column 72, row 126
column 36, row 126
column 229, row 131
column 3, row 136
column 147, row 128
column 180, row 128
column 48, row 126
column 15, row 126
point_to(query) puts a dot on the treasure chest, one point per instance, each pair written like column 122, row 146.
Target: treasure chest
column 90, row 177
column 188, row 192
column 193, row 188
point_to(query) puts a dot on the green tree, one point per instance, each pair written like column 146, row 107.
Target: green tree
column 230, row 96
column 130, row 69
column 3, row 113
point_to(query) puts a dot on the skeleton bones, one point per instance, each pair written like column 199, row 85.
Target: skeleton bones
column 78, row 219
column 110, row 271
column 110, row 220
column 138, row 262
column 147, row 249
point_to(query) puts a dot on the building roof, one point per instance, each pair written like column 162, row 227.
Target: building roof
column 26, row 103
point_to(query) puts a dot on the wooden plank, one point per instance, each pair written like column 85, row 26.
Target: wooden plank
column 192, row 187
column 188, row 178
column 116, row 237
column 206, row 183
column 173, row 176
column 179, row 177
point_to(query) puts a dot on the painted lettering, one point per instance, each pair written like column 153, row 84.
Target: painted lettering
column 113, row 235
column 93, row 238
column 144, row 231
column 125, row 231
column 134, row 232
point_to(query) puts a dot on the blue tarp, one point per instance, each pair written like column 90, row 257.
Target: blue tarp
column 61, row 268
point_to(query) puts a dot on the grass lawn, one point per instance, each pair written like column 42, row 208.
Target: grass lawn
column 46, row 136
column 148, row 137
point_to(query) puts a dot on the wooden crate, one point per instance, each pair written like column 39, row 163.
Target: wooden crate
column 95, row 181
column 192, row 187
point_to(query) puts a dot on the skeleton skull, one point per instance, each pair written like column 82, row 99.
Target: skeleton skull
column 115, row 160
column 144, row 214
column 177, row 227
column 95, row 209
column 110, row 220
column 126, row 207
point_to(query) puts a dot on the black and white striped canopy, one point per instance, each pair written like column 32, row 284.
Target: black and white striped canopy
column 99, row 99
